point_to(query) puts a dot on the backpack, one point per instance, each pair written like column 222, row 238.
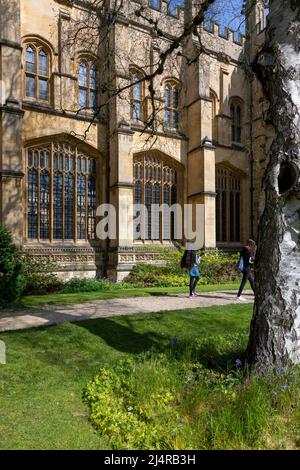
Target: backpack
column 188, row 259
column 239, row 267
column 183, row 263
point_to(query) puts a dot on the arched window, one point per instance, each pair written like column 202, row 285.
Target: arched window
column 228, row 205
column 88, row 85
column 155, row 183
column 171, row 93
column 137, row 96
column 37, row 72
column 61, row 193
column 237, row 122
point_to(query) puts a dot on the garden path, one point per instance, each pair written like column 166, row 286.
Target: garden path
column 54, row 314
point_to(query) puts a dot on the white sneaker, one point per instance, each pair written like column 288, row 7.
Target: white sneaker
column 240, row 299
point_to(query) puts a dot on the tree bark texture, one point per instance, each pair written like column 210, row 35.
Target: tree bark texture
column 275, row 330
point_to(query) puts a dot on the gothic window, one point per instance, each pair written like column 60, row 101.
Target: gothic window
column 228, row 205
column 61, row 193
column 137, row 96
column 37, row 72
column 236, row 119
column 171, row 105
column 88, row 87
column 155, row 183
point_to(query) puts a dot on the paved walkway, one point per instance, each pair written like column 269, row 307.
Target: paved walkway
column 54, row 314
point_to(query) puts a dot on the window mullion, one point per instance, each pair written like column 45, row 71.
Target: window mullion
column 87, row 85
column 75, row 192
column 63, row 203
column 171, row 108
column 143, row 220
column 86, row 205
column 37, row 74
column 51, row 194
column 38, row 200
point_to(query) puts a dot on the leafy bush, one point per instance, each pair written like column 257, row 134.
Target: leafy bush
column 42, row 283
column 216, row 267
column 40, row 275
column 12, row 280
column 38, row 264
column 94, row 285
column 85, row 285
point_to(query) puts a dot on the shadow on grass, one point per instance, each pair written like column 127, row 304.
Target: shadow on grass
column 123, row 338
column 203, row 350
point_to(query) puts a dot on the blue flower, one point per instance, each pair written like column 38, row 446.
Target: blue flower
column 283, row 388
column 274, row 394
column 238, row 363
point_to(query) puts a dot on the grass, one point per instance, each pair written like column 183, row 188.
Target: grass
column 33, row 301
column 47, row 369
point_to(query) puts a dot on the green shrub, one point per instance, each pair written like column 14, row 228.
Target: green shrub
column 94, row 285
column 12, row 282
column 38, row 264
column 86, row 285
column 40, row 277
column 216, row 267
column 42, row 283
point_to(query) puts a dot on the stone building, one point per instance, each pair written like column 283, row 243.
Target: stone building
column 59, row 160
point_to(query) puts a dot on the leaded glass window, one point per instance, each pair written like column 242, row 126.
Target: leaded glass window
column 37, row 72
column 137, row 97
column 171, row 105
column 155, row 183
column 236, row 126
column 61, row 193
column 88, row 86
column 228, row 205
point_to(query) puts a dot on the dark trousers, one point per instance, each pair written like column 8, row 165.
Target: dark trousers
column 247, row 276
column 193, row 283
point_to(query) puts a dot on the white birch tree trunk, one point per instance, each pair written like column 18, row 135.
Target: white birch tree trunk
column 275, row 330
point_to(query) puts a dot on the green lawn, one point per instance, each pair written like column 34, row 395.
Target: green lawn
column 33, row 301
column 47, row 368
column 181, row 389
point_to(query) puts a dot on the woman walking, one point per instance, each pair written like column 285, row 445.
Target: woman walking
column 192, row 260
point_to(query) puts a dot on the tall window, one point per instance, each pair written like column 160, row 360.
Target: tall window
column 155, row 183
column 37, row 72
column 236, row 117
column 228, row 205
column 171, row 105
column 61, row 193
column 137, row 97
column 88, row 88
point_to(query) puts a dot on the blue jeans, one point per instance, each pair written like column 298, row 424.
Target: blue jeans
column 247, row 276
column 193, row 283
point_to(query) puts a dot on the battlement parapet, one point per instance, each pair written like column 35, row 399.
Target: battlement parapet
column 164, row 8
column 228, row 34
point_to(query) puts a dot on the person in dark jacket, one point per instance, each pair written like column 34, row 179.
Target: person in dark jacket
column 247, row 253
